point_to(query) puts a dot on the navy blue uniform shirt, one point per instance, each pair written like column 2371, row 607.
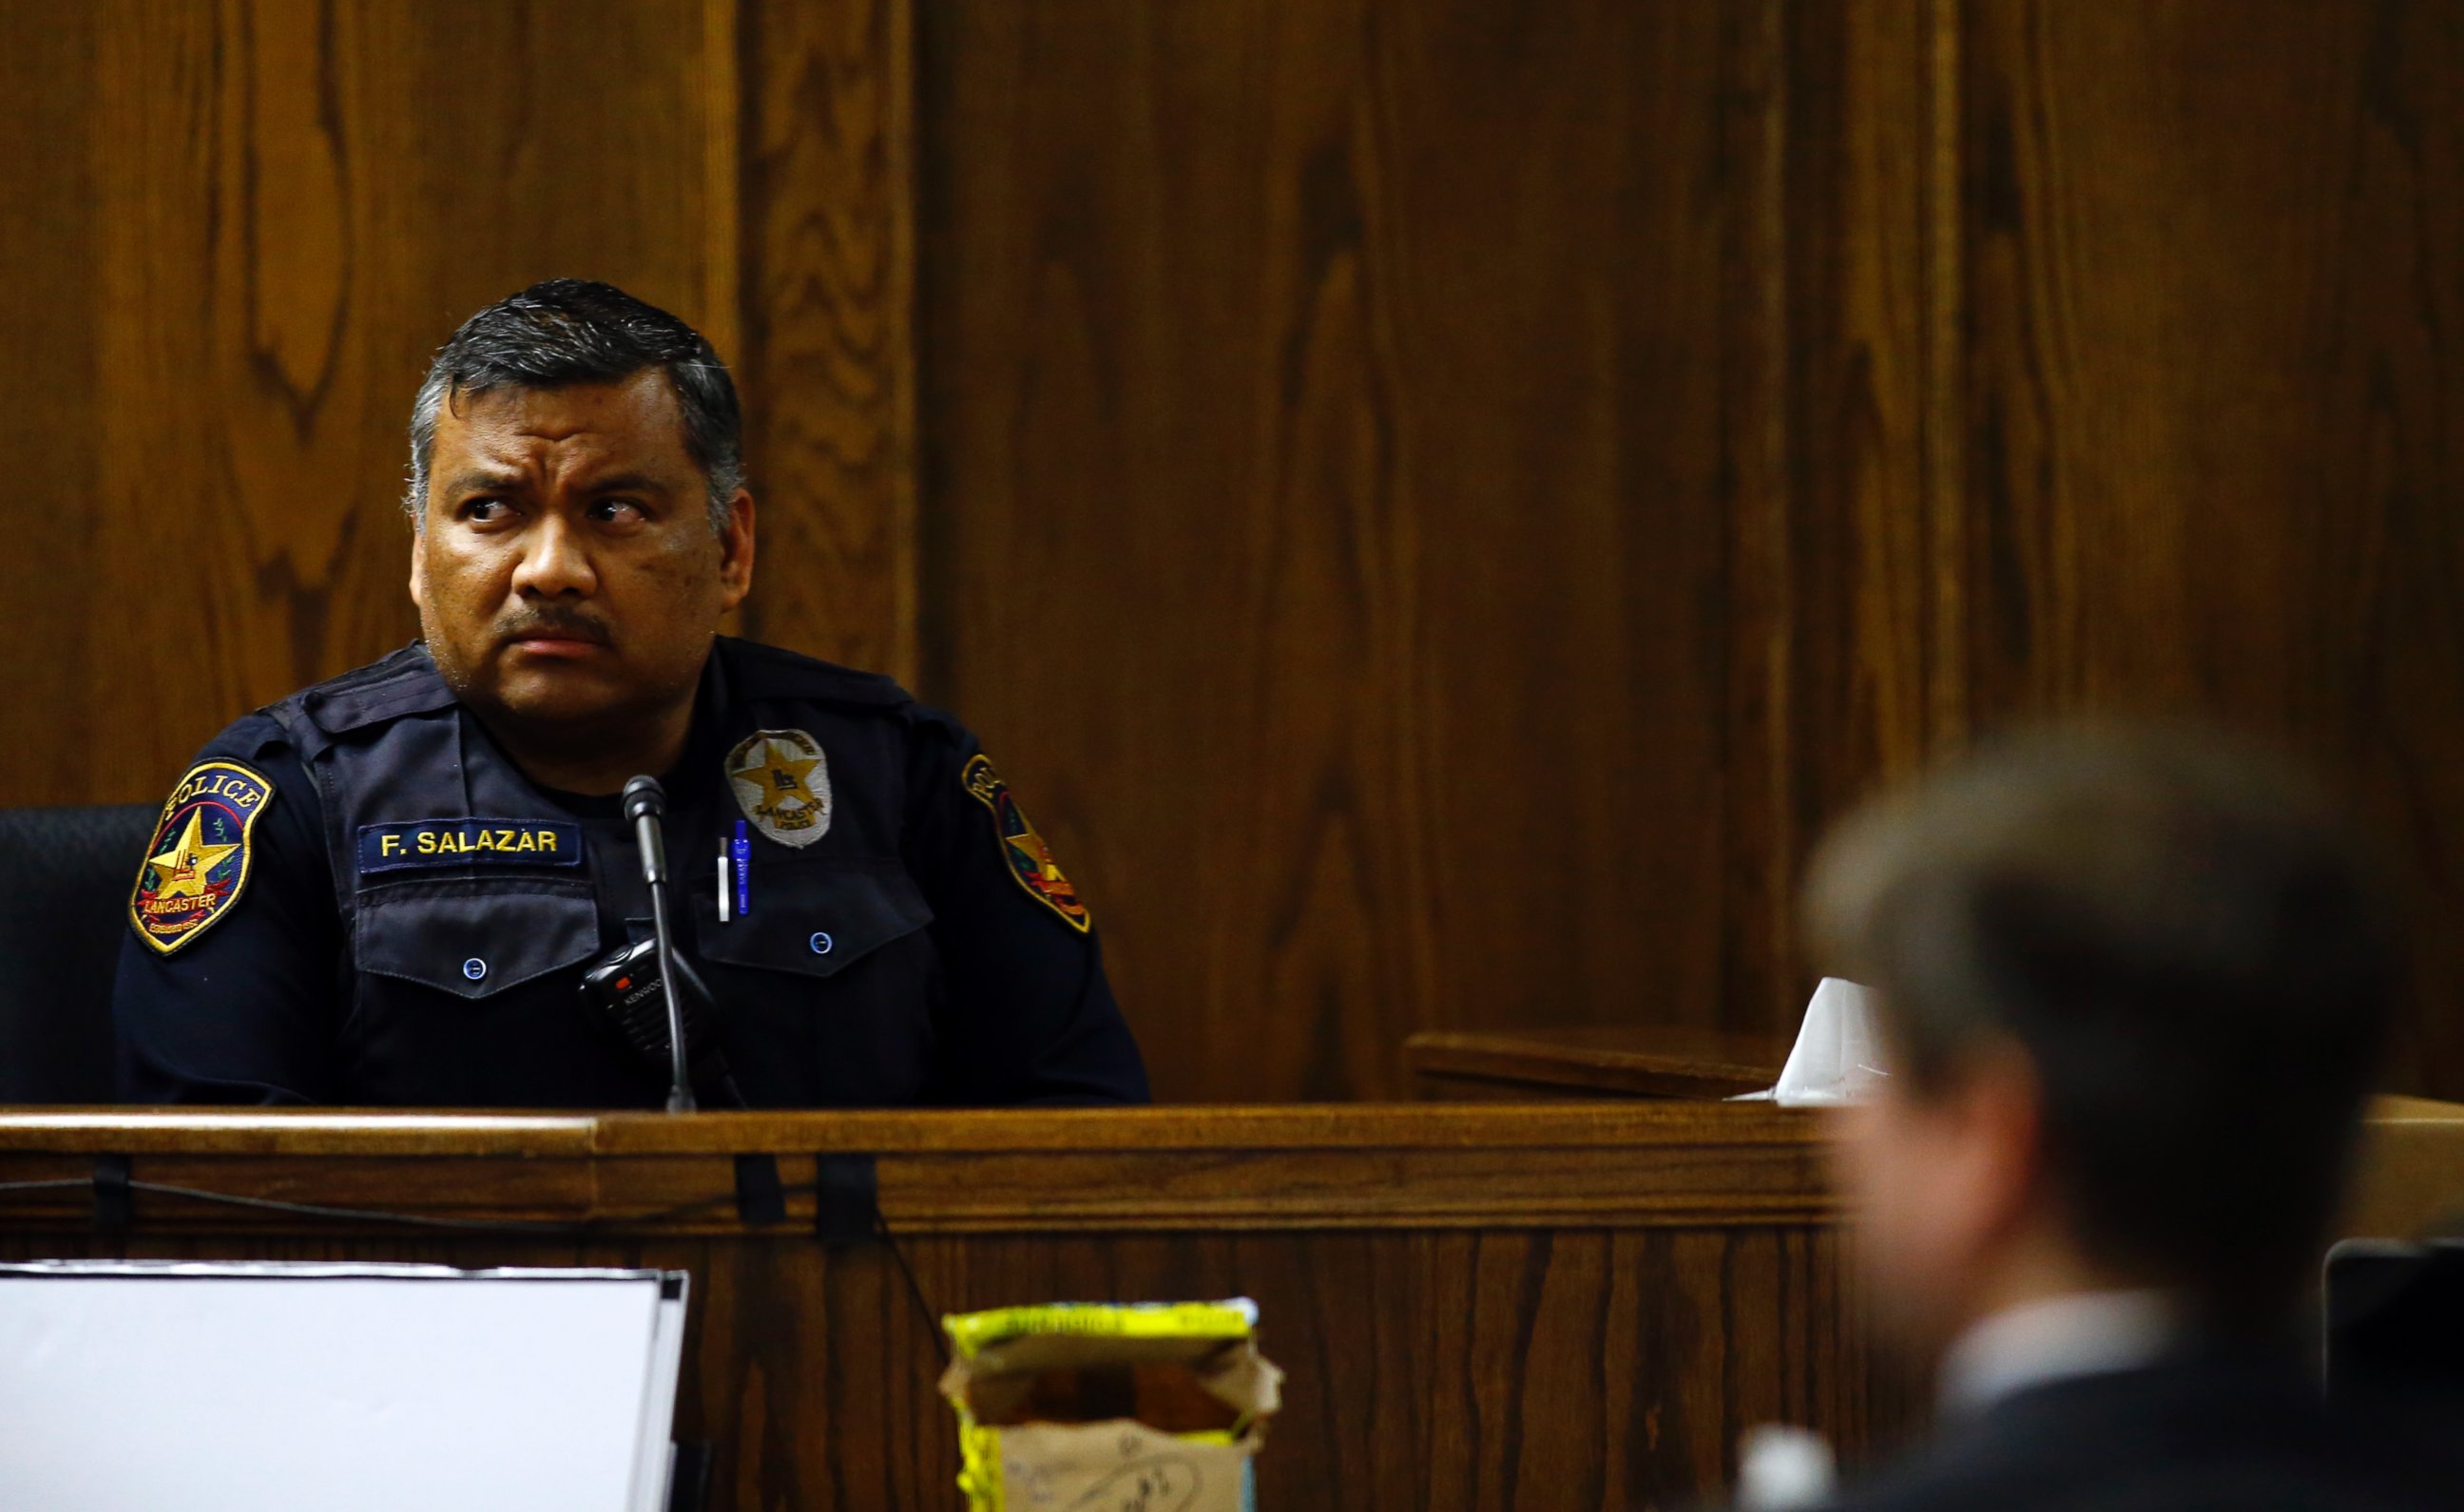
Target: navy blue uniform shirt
column 355, row 897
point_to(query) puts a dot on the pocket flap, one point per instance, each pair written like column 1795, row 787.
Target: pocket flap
column 816, row 917
column 474, row 940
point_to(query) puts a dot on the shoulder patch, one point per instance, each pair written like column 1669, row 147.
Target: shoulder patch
column 1030, row 859
column 198, row 861
column 781, row 782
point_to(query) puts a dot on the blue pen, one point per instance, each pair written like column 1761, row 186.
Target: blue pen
column 743, row 849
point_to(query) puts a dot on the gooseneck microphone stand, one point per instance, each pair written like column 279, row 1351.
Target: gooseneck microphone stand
column 646, row 804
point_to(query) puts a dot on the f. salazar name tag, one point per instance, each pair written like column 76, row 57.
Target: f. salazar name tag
column 469, row 842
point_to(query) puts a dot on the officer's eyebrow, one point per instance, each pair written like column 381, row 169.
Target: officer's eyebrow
column 482, row 480
column 628, row 483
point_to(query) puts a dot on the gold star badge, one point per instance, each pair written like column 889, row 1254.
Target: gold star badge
column 174, row 901
column 780, row 773
column 182, row 869
column 782, row 781
column 1031, row 859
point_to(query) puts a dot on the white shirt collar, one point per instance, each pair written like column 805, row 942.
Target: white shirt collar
column 2085, row 1333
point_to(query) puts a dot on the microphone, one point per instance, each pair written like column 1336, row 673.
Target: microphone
column 646, row 804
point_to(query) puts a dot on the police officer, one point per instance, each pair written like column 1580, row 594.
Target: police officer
column 388, row 887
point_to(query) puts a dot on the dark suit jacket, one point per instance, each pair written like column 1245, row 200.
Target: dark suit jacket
column 2185, row 1436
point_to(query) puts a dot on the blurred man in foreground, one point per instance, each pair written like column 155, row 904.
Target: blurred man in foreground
column 2132, row 990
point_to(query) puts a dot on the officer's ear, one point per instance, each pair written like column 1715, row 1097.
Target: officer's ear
column 735, row 552
column 419, row 570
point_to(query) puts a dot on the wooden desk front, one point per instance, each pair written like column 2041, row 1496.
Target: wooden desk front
column 1593, row 1061
column 1551, row 1307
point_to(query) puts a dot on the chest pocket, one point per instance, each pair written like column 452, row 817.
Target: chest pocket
column 812, row 917
column 475, row 938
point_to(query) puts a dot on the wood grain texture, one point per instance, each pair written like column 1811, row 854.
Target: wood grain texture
column 1522, row 1371
column 1503, row 1356
column 47, row 408
column 1613, row 1060
column 1434, row 505
column 2215, row 436
column 1569, row 1340
column 260, row 218
column 244, row 227
column 1440, row 506
column 828, row 375
column 301, row 1131
column 1411, row 494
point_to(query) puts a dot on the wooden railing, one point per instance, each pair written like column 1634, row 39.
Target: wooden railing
column 1560, row 1306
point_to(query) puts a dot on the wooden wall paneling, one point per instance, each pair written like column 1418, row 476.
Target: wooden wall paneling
column 1758, row 585
column 1944, row 230
column 1418, row 497
column 1590, row 1337
column 1860, row 352
column 1833, row 592
column 828, row 367
column 48, row 396
column 1572, row 220
column 1535, row 1385
column 2214, row 461
column 2381, row 685
column 1171, row 588
column 286, row 208
column 1434, row 508
column 1175, row 385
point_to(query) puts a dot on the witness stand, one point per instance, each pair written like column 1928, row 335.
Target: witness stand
column 1575, row 1305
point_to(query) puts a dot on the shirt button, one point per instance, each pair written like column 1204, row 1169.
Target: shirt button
column 474, row 968
column 821, row 944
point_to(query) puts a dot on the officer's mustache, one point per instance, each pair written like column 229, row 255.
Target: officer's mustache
column 563, row 625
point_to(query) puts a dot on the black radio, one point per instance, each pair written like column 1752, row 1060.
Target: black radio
column 625, row 987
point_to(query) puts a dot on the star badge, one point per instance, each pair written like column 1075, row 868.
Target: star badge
column 1030, row 858
column 181, row 871
column 197, row 864
column 781, row 782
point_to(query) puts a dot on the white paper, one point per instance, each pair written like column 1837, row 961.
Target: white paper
column 1835, row 1059
column 1781, row 1469
column 655, row 1465
column 132, row 1386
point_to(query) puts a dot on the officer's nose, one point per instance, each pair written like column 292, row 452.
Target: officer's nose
column 555, row 561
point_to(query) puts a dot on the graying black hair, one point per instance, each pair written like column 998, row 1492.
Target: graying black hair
column 566, row 331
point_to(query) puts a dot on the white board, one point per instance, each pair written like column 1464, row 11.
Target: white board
column 129, row 1387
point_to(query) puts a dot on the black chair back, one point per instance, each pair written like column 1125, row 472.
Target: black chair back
column 71, row 870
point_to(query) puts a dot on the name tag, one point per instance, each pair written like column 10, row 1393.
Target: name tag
column 469, row 842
